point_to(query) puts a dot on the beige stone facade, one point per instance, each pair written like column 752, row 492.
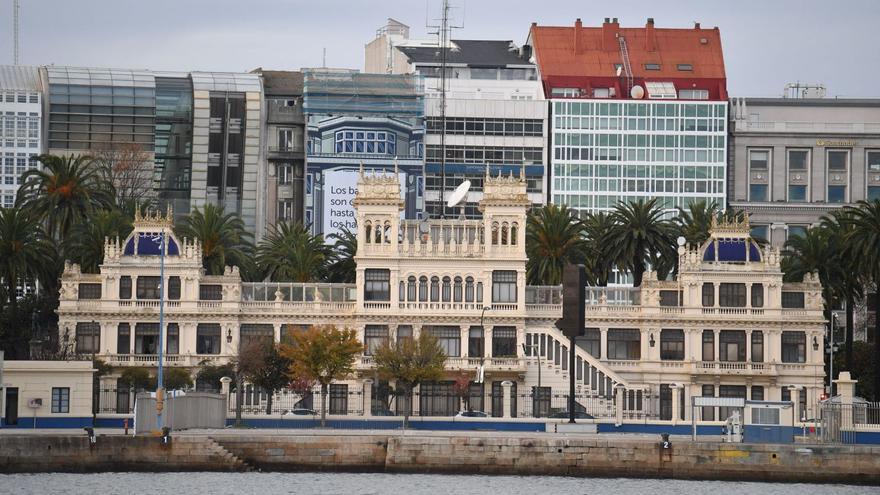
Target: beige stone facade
column 736, row 329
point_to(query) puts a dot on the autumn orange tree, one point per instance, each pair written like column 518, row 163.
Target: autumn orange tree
column 322, row 354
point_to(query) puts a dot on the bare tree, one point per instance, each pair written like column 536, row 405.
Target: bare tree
column 130, row 169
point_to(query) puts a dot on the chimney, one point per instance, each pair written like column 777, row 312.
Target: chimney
column 578, row 26
column 696, row 25
column 609, row 34
column 650, row 36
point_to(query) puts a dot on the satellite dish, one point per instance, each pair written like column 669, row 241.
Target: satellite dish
column 637, row 92
column 459, row 194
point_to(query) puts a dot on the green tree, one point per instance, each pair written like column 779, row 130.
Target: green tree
column 641, row 236
column 137, row 379
column 290, row 253
column 223, row 238
column 848, row 284
column 64, row 190
column 208, row 375
column 409, row 363
column 864, row 359
column 553, row 238
column 343, row 268
column 863, row 243
column 695, row 221
column 176, row 379
column 322, row 354
column 86, row 240
column 265, row 367
column 599, row 261
column 25, row 253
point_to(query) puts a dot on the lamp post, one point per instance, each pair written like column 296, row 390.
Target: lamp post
column 831, row 360
column 160, row 392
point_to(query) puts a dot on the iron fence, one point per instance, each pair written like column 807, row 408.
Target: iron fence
column 115, row 400
column 341, row 400
column 841, row 423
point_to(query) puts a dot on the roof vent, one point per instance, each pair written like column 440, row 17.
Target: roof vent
column 614, row 20
column 704, row 41
column 607, row 19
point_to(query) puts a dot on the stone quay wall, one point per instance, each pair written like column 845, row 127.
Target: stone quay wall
column 460, row 454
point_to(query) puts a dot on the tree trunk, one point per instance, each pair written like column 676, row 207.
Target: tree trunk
column 850, row 302
column 269, row 402
column 323, row 405
column 638, row 271
column 408, row 409
column 239, row 395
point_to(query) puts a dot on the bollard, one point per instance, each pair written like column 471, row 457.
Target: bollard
column 92, row 438
column 665, row 448
column 166, row 436
column 125, row 425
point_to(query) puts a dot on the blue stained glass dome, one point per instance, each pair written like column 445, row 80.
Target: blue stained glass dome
column 733, row 250
column 148, row 245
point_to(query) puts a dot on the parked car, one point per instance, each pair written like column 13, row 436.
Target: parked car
column 383, row 412
column 472, row 414
column 301, row 412
column 577, row 415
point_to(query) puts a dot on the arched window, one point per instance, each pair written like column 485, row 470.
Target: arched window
column 447, row 290
column 514, row 227
column 378, row 233
column 479, row 291
column 494, row 233
column 387, row 233
column 469, row 289
column 400, row 291
column 411, row 288
column 504, row 232
column 368, row 227
column 435, row 289
column 456, row 290
column 423, row 288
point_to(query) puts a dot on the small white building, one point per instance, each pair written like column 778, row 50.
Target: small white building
column 46, row 394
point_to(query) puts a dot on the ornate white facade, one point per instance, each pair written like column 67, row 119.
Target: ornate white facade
column 735, row 329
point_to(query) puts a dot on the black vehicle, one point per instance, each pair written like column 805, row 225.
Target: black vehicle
column 472, row 414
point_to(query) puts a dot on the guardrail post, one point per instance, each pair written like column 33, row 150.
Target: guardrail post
column 618, row 406
column 368, row 397
column 505, row 403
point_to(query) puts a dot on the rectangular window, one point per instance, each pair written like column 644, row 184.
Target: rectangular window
column 708, row 294
column 757, row 295
column 449, row 339
column 210, row 292
column 732, row 391
column 377, row 285
column 174, row 288
column 123, row 338
column 475, row 342
column 375, row 336
column 504, row 286
column 757, row 346
column 794, row 347
column 792, row 299
column 208, row 338
column 172, row 339
column 759, row 168
column 693, row 94
column 757, row 392
column 670, row 298
column 147, row 287
column 685, row 67
column 624, row 343
column 146, row 338
column 796, row 231
column 671, row 344
column 90, row 291
column 60, row 400
column 708, row 345
column 591, row 342
column 838, row 175
column 88, row 337
column 404, row 333
column 732, row 295
column 252, row 334
column 836, row 194
column 338, row 398
column 732, row 346
column 708, row 413
column 652, row 66
column 504, row 342
column 125, row 287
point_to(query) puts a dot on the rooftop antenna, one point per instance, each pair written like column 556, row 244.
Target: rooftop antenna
column 443, row 31
column 15, row 7
column 324, row 58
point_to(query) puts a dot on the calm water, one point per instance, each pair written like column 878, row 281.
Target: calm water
column 409, row 484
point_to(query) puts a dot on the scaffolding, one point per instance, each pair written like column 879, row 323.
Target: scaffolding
column 349, row 92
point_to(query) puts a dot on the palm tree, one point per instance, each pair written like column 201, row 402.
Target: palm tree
column 86, row 239
column 600, row 259
column 553, row 238
column 695, row 221
column 222, row 235
column 849, row 286
column 812, row 253
column 64, row 190
column 343, row 267
column 864, row 245
column 290, row 253
column 24, row 250
column 641, row 236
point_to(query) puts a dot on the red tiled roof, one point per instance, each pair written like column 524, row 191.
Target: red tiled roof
column 598, row 51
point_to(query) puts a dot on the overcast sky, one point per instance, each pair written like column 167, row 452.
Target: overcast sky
column 767, row 43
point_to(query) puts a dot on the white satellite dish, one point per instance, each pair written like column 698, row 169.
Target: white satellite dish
column 459, row 194
column 637, row 92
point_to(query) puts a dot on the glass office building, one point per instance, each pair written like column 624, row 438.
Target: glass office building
column 174, row 113
column 606, row 151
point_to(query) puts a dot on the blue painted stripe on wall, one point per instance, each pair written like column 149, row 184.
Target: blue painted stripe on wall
column 50, row 422
column 390, row 424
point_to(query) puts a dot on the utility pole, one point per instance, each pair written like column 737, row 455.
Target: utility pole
column 15, row 7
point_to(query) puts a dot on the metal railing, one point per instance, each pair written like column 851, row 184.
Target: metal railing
column 841, row 423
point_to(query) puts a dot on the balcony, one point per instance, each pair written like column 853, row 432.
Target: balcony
column 731, row 368
column 150, row 360
column 365, row 363
column 290, row 151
